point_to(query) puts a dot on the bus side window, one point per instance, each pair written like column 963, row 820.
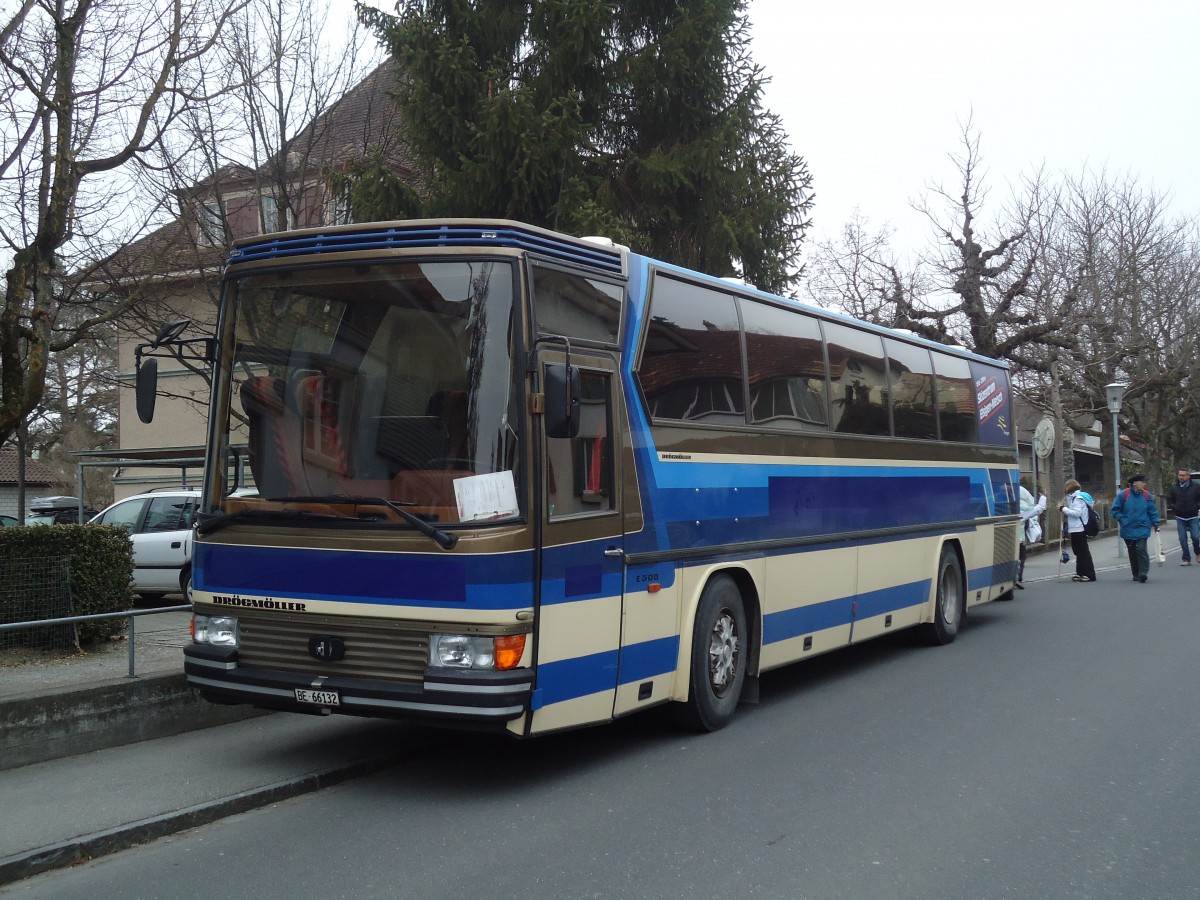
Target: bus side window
column 579, row 469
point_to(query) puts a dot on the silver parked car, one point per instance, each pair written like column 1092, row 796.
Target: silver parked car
column 160, row 526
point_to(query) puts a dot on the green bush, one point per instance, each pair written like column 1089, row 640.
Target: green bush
column 101, row 564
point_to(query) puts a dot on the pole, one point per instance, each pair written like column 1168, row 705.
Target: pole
column 1117, row 477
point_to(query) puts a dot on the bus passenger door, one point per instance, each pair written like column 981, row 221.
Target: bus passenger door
column 582, row 564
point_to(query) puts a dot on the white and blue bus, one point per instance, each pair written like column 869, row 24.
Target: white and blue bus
column 509, row 479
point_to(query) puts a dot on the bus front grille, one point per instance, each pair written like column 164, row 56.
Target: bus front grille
column 374, row 649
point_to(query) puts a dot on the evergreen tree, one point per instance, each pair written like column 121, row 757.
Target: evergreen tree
column 641, row 120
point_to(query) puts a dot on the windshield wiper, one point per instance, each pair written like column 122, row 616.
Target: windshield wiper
column 444, row 539
column 206, row 523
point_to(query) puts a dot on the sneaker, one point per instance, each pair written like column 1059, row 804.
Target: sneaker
column 1142, row 579
column 1186, row 562
column 1085, row 578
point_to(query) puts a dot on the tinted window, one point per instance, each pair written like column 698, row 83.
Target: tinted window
column 910, row 383
column 125, row 514
column 170, row 514
column 956, row 399
column 858, row 381
column 569, row 304
column 786, row 365
column 579, row 469
column 691, row 367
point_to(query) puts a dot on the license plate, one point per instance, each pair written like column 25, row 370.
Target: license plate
column 320, row 698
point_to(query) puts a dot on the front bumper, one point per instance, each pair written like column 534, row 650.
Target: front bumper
column 447, row 697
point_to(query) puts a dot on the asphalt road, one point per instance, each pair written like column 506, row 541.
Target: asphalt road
column 1052, row 751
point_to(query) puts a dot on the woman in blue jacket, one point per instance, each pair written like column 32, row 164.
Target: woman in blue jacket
column 1137, row 514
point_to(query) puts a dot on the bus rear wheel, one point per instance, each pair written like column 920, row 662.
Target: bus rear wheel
column 950, row 605
column 718, row 663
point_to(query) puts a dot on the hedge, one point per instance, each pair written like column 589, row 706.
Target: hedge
column 101, row 571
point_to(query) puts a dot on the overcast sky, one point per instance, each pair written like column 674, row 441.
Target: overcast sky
column 874, row 93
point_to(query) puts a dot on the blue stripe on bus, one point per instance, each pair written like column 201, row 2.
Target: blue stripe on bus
column 751, row 502
column 649, row 658
column 790, row 623
column 480, row 582
column 571, row 678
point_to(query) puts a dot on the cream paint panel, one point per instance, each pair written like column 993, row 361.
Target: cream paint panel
column 648, row 617
column 781, row 653
column 573, row 713
column 802, row 579
column 901, row 562
column 627, row 694
column 580, row 628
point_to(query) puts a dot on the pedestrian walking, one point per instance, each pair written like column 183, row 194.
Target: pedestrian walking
column 1137, row 513
column 1184, row 501
column 1076, row 510
column 1031, row 528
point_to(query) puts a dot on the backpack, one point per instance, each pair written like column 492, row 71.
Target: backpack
column 1091, row 526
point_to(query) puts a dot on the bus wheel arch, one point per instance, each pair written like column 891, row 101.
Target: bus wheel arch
column 950, row 597
column 719, row 653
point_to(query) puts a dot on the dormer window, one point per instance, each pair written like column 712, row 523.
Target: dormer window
column 212, row 221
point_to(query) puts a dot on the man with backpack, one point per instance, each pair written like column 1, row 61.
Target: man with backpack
column 1184, row 501
column 1137, row 514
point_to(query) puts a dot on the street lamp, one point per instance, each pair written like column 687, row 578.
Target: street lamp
column 1115, row 393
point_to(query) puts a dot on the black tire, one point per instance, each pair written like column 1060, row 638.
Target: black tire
column 950, row 606
column 718, row 669
column 185, row 584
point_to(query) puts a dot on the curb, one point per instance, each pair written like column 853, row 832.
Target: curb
column 41, row 727
column 112, row 840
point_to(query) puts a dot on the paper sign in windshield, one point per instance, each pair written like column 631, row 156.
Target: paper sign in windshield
column 482, row 497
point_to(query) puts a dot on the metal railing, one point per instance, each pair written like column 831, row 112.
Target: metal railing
column 130, row 614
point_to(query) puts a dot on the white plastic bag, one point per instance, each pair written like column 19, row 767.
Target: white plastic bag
column 1157, row 547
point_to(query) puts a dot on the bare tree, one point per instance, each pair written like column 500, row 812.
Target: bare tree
column 89, row 87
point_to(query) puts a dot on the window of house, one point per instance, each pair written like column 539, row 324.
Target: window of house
column 212, row 221
column 271, row 219
column 339, row 208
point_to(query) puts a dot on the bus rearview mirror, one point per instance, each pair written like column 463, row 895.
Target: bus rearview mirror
column 146, row 389
column 561, row 388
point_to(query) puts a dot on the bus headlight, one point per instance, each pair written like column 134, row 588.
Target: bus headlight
column 216, row 631
column 475, row 651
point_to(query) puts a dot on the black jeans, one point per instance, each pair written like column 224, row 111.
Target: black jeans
column 1084, row 567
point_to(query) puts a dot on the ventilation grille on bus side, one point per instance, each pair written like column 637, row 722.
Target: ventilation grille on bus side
column 375, row 650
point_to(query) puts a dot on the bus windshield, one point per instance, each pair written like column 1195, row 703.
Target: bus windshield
column 389, row 384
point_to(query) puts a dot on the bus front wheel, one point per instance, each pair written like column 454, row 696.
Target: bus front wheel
column 718, row 663
column 950, row 605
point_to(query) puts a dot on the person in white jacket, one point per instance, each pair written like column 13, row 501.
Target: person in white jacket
column 1075, row 510
column 1031, row 528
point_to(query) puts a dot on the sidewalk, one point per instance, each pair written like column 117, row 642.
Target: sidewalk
column 1045, row 565
column 68, row 810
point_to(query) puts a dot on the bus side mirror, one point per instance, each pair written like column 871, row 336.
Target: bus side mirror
column 561, row 389
column 147, row 388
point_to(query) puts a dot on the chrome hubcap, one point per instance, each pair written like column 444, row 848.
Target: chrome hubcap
column 723, row 648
